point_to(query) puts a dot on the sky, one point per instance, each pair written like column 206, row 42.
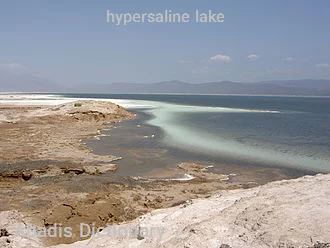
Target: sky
column 71, row 42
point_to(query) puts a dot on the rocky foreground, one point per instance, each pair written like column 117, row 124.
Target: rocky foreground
column 289, row 213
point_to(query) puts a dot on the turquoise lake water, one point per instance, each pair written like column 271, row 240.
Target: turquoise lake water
column 292, row 132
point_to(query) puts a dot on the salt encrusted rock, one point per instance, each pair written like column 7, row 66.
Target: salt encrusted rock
column 100, row 169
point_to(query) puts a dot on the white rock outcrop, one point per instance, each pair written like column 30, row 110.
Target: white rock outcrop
column 289, row 213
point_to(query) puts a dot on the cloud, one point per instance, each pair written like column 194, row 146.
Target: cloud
column 253, row 57
column 15, row 67
column 288, row 59
column 220, row 58
column 325, row 65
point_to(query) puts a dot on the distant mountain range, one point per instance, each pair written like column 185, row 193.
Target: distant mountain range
column 10, row 82
column 287, row 87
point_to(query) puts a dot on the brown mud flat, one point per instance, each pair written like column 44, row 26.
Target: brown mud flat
column 50, row 177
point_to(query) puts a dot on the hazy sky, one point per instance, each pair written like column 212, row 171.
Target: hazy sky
column 70, row 42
